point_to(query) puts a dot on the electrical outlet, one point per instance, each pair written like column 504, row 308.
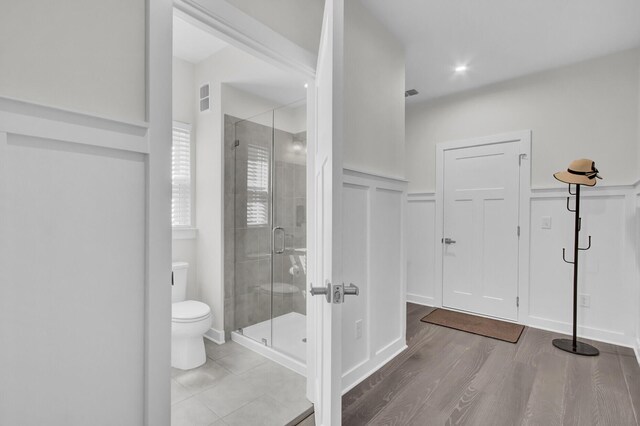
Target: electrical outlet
column 359, row 329
column 584, row 300
column 546, row 222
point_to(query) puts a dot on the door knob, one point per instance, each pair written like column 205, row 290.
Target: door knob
column 325, row 291
column 448, row 241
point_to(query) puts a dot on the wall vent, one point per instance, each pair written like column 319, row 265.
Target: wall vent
column 410, row 92
column 205, row 104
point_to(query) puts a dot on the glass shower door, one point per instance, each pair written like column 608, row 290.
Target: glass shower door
column 289, row 234
column 253, row 222
column 269, row 175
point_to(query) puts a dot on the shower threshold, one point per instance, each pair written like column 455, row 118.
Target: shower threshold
column 288, row 348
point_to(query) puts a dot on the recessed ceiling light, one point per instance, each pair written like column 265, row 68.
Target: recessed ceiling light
column 306, row 85
column 461, row 69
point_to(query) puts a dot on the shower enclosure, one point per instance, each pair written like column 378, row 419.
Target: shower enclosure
column 265, row 294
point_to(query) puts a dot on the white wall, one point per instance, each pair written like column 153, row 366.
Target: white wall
column 421, row 256
column 184, row 92
column 73, row 256
column 183, row 245
column 373, row 247
column 373, row 202
column 587, row 110
column 374, row 95
column 298, row 20
column 84, row 246
column 607, row 271
column 84, row 56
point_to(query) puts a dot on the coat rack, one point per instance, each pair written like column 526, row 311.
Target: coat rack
column 573, row 345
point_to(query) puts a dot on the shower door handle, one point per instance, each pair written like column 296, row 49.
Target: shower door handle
column 275, row 231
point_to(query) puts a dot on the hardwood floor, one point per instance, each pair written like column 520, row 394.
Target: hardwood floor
column 448, row 377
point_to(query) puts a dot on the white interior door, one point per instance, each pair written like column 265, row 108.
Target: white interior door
column 325, row 243
column 480, row 244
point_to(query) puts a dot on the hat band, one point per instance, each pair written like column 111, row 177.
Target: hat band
column 591, row 175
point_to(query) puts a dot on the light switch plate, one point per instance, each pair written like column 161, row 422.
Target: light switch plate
column 546, row 222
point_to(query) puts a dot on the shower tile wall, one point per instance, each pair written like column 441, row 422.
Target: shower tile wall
column 247, row 279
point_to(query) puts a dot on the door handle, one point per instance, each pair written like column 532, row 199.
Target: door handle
column 275, row 230
column 324, row 291
column 448, row 241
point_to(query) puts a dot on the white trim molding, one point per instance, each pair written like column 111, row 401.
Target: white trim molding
column 45, row 122
column 184, row 233
column 216, row 336
column 245, row 32
column 159, row 35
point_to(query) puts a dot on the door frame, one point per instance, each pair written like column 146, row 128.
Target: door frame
column 252, row 36
column 524, row 213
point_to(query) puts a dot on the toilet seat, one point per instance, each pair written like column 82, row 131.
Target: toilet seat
column 189, row 311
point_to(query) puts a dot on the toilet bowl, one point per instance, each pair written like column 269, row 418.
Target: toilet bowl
column 190, row 319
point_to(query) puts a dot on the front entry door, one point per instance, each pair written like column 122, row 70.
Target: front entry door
column 480, row 244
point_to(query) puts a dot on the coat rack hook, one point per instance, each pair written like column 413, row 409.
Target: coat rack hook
column 572, row 193
column 563, row 258
column 569, row 208
column 588, row 247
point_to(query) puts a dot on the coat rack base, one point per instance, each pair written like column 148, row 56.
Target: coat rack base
column 580, row 348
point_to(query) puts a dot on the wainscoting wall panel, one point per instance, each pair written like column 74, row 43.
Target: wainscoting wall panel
column 374, row 258
column 608, row 274
column 421, row 277
column 73, row 256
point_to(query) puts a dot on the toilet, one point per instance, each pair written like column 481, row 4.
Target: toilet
column 189, row 321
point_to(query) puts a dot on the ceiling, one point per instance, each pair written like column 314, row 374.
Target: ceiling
column 194, row 44
column 501, row 39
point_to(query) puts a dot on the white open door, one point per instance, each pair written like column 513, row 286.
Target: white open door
column 325, row 241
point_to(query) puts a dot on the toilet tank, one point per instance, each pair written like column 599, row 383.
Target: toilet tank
column 179, row 281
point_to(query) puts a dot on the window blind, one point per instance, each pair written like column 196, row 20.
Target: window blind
column 181, row 176
column 257, row 185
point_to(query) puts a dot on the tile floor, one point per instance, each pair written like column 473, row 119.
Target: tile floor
column 236, row 386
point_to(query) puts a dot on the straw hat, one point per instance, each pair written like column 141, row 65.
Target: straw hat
column 580, row 172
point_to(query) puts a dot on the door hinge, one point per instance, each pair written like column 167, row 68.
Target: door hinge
column 518, row 302
column 518, row 230
column 520, row 158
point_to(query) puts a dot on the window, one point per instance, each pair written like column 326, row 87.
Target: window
column 257, row 185
column 181, row 176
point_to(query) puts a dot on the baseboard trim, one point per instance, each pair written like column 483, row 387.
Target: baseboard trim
column 420, row 300
column 372, row 370
column 215, row 336
column 637, row 351
column 599, row 335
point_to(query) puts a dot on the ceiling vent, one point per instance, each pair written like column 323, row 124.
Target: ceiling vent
column 205, row 104
column 410, row 92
